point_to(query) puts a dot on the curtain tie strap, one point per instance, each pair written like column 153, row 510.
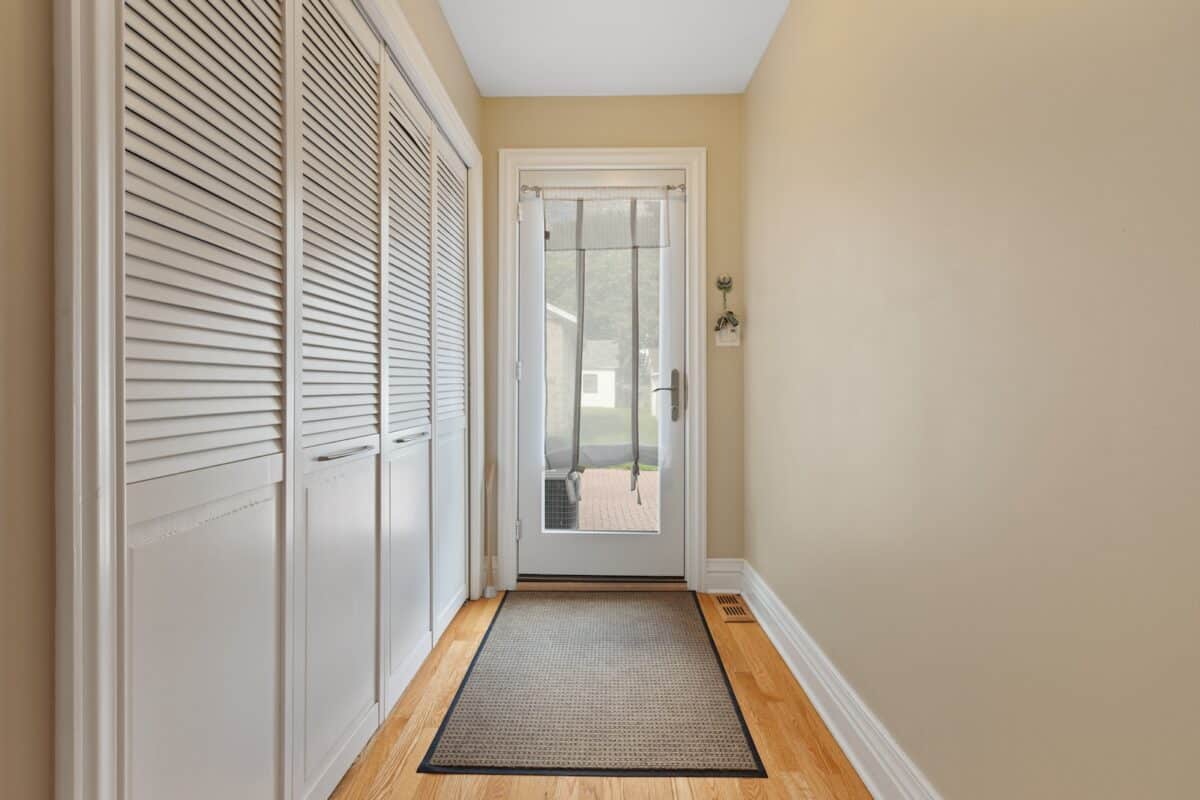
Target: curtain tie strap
column 574, row 484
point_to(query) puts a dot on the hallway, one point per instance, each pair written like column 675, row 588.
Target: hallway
column 338, row 336
column 801, row 757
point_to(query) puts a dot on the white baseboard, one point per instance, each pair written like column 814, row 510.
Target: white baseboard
column 446, row 615
column 723, row 575
column 405, row 671
column 339, row 763
column 888, row 772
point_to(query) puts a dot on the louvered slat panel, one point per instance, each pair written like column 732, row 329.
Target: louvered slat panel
column 409, row 232
column 450, row 304
column 340, row 176
column 203, row 185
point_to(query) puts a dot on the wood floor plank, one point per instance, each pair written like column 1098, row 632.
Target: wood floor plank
column 801, row 757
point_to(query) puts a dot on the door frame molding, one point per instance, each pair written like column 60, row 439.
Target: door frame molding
column 90, row 762
column 693, row 161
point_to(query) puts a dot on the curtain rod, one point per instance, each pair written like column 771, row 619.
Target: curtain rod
column 538, row 189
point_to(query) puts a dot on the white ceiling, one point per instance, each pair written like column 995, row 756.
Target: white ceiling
column 600, row 47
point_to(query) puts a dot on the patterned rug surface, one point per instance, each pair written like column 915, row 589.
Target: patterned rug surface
column 596, row 683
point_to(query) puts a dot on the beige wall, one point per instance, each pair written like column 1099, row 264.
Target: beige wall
column 713, row 121
column 973, row 378
column 428, row 22
column 26, row 398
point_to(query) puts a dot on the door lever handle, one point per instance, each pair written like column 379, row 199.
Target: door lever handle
column 674, row 390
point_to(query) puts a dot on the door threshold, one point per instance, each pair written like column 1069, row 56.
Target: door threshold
column 600, row 583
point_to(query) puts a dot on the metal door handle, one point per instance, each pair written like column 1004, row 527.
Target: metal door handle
column 344, row 453
column 674, row 390
column 412, row 437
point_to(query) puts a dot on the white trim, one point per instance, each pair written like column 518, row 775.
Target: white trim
column 723, row 575
column 884, row 767
column 398, row 681
column 330, row 774
column 693, row 160
column 87, row 482
column 445, row 615
column 476, row 486
column 89, row 472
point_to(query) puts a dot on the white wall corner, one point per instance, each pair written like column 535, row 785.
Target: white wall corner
column 723, row 575
column 888, row 772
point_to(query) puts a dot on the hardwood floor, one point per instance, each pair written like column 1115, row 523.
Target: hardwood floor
column 801, row 757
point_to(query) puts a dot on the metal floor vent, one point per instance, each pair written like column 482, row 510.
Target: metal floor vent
column 733, row 608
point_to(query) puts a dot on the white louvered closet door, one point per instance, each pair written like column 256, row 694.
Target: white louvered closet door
column 451, row 296
column 335, row 649
column 204, row 235
column 409, row 178
column 410, row 264
column 341, row 224
column 204, row 264
column 294, row 395
column 450, row 385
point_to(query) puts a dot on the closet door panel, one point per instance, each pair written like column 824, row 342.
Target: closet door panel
column 337, row 645
column 204, row 387
column 450, row 514
column 340, row 519
column 409, row 639
column 204, row 672
column 204, row 297
column 451, row 296
column 410, row 263
column 407, row 346
column 340, row 180
column 450, row 387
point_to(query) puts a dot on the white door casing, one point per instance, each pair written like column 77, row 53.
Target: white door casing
column 512, row 162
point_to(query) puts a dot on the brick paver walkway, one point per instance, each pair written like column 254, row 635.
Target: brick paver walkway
column 608, row 505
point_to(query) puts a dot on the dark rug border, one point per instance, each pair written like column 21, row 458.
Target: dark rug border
column 759, row 772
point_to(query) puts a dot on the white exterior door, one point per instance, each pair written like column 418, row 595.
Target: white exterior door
column 602, row 384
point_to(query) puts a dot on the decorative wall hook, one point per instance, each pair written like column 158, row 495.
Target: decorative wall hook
column 728, row 321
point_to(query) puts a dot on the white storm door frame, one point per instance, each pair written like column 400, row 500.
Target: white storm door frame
column 692, row 160
column 588, row 551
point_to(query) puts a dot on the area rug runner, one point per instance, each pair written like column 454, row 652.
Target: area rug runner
column 596, row 683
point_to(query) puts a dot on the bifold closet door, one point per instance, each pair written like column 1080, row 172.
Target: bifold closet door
column 203, row 244
column 450, row 386
column 294, row 342
column 335, row 643
column 409, row 342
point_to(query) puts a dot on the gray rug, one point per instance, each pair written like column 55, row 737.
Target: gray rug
column 596, row 683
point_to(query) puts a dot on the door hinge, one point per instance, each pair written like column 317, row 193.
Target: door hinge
column 520, row 213
column 520, row 370
column 518, row 530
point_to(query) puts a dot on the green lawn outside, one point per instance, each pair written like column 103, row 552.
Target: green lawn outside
column 611, row 426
